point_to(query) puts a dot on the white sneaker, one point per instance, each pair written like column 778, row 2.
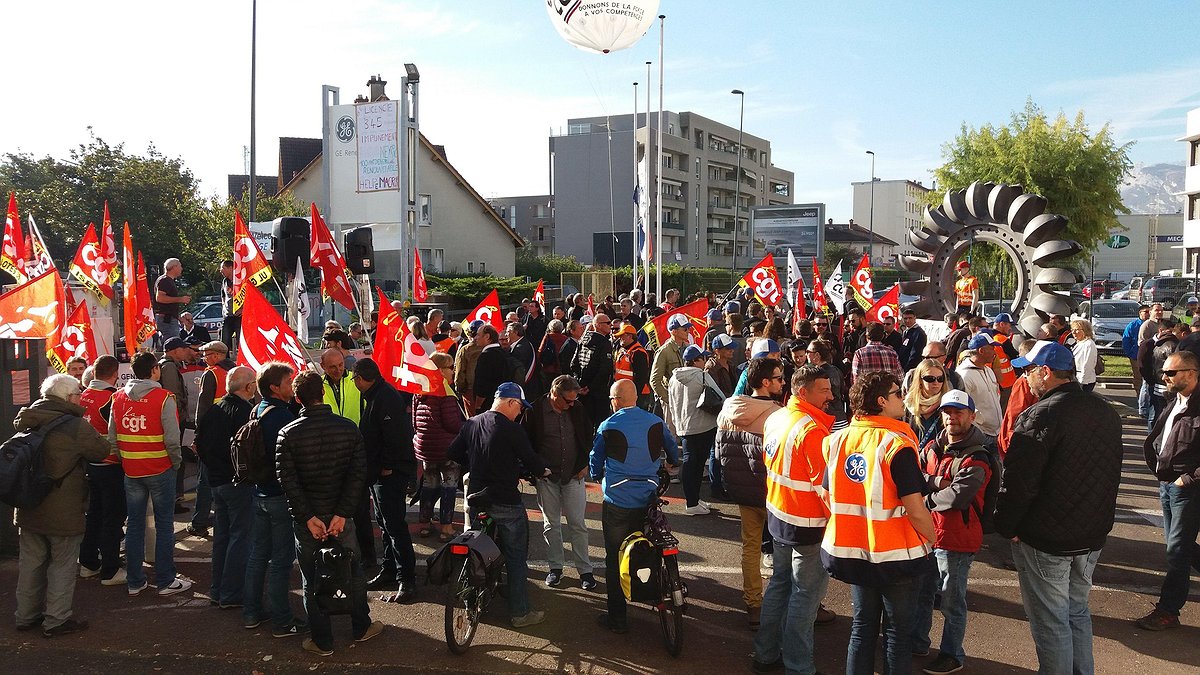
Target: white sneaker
column 138, row 589
column 180, row 585
column 768, row 561
column 85, row 573
column 700, row 509
column 116, row 579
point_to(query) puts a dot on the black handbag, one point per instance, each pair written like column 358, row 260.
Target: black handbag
column 711, row 400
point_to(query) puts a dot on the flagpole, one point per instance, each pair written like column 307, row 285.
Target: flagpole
column 658, row 186
column 649, row 197
column 637, row 181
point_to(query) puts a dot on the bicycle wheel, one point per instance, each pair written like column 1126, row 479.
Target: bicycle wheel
column 462, row 610
column 670, row 607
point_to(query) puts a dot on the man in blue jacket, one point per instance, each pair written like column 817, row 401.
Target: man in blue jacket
column 1129, row 344
column 627, row 452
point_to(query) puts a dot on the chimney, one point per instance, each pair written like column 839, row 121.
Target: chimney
column 361, row 99
column 376, row 85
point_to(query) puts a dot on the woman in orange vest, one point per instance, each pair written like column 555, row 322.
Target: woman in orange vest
column 879, row 531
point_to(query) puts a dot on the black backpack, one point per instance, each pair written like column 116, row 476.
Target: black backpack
column 23, row 480
column 248, row 452
column 991, row 490
column 333, row 564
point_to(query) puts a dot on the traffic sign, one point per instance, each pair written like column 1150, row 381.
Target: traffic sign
column 1117, row 241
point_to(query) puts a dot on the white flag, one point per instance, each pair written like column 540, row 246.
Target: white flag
column 41, row 262
column 835, row 288
column 302, row 310
column 793, row 274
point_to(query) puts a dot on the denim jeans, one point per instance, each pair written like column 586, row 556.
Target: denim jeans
column 1054, row 590
column 899, row 600
column 618, row 523
column 231, row 541
column 101, row 547
column 1143, row 403
column 927, row 586
column 556, row 500
column 272, row 552
column 399, row 560
column 789, row 608
column 1181, row 523
column 696, row 450
column 168, row 327
column 319, row 624
column 202, row 517
column 512, row 530
column 953, row 568
column 160, row 491
column 716, row 485
column 1157, row 405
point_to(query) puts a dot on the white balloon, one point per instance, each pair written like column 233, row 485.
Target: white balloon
column 602, row 26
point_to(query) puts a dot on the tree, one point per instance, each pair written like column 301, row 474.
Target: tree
column 214, row 240
column 548, row 267
column 1078, row 171
column 836, row 252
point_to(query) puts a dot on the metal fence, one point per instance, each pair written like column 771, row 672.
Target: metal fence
column 598, row 284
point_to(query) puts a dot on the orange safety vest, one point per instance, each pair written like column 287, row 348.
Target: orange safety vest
column 92, row 401
column 219, row 373
column 1001, row 365
column 444, row 346
column 140, row 437
column 623, row 366
column 964, row 288
column 867, row 519
column 792, row 439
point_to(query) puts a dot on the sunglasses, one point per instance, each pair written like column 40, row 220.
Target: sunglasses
column 777, row 378
column 894, row 392
column 1173, row 373
column 933, row 378
column 821, row 324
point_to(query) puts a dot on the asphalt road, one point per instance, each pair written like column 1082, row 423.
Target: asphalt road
column 182, row 633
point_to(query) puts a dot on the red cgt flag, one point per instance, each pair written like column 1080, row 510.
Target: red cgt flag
column 764, row 281
column 12, row 248
column 488, row 311
column 400, row 356
column 420, row 289
column 249, row 263
column 35, row 309
column 129, row 295
column 656, row 328
column 591, row 309
column 77, row 339
column 820, row 302
column 860, row 284
column 265, row 336
column 798, row 312
column 327, row 258
column 539, row 295
column 887, row 307
column 108, row 248
column 89, row 266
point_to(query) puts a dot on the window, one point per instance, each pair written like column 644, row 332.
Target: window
column 426, row 209
column 541, row 211
column 541, row 234
column 699, row 139
column 470, row 267
column 1195, row 153
column 1193, row 210
column 482, row 267
column 433, row 260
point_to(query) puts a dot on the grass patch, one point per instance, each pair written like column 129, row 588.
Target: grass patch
column 1116, row 366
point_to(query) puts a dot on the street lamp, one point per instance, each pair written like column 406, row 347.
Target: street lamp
column 871, row 217
column 737, row 199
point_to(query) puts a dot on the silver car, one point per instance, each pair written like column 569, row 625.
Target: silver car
column 1109, row 319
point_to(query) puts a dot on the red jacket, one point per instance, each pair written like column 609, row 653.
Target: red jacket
column 1019, row 399
column 956, row 508
column 436, row 420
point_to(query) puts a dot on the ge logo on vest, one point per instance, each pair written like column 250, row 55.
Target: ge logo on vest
column 856, row 468
column 771, row 448
column 133, row 423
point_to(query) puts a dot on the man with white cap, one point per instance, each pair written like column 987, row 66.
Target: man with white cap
column 667, row 358
column 763, row 348
column 1193, row 304
column 979, row 380
column 1057, row 503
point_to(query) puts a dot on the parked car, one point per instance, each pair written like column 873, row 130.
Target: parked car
column 1098, row 288
column 208, row 314
column 989, row 309
column 1135, row 289
column 1167, row 290
column 1109, row 319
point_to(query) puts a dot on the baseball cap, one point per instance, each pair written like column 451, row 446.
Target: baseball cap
column 513, row 390
column 714, row 315
column 475, row 325
column 215, row 346
column 962, row 265
column 692, row 352
column 1003, row 317
column 733, row 307
column 722, row 341
column 678, row 321
column 762, row 347
column 1047, row 353
column 956, row 398
column 173, row 343
column 626, row 329
column 979, row 340
column 1193, row 299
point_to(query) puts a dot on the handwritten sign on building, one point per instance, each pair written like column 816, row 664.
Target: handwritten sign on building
column 378, row 145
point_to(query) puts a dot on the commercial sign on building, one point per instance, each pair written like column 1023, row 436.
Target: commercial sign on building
column 377, row 126
column 799, row 227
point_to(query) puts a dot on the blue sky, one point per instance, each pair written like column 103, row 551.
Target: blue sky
column 823, row 81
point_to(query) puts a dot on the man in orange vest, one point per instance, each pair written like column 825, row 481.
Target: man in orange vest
column 796, row 517
column 100, row 552
column 633, row 363
column 878, row 535
column 145, row 430
column 966, row 288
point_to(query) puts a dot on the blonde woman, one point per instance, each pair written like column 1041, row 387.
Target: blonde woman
column 1085, row 353
column 929, row 382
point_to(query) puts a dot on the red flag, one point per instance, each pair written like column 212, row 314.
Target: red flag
column 591, row 310
column 539, row 295
column 108, row 248
column 888, row 306
column 488, row 311
column 420, row 290
column 77, row 340
column 89, row 266
column 400, row 356
column 656, row 328
column 12, row 250
column 129, row 293
column 326, row 257
column 799, row 312
column 820, row 303
column 69, row 298
column 860, row 284
column 145, row 309
column 764, row 281
column 249, row 263
column 35, row 309
column 265, row 336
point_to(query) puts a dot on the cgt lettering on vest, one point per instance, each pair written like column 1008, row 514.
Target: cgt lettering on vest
column 134, row 424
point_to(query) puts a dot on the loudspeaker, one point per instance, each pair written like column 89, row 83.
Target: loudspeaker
column 289, row 241
column 360, row 251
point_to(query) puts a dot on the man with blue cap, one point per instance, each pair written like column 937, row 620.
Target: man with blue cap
column 980, row 382
column 667, row 358
column 1057, row 504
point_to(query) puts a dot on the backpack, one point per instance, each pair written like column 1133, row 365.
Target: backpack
column 991, row 491
column 640, row 565
column 333, row 564
column 23, row 480
column 248, row 452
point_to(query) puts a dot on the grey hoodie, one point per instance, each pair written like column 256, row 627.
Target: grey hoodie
column 686, row 386
column 137, row 390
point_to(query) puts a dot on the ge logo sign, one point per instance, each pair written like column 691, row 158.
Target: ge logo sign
column 345, row 129
column 856, row 468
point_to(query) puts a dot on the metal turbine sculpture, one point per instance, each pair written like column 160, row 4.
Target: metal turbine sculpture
column 1015, row 221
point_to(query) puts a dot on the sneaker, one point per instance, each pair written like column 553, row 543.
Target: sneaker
column 293, row 628
column 605, row 621
column 229, row 605
column 116, row 579
column 700, row 509
column 554, row 578
column 180, row 585
column 65, row 628
column 768, row 561
column 86, row 572
column 194, row 531
column 944, row 663
column 825, row 616
column 760, row 667
column 310, row 646
column 374, row 629
column 918, row 652
column 588, row 582
column 134, row 590
column 532, row 618
column 1158, row 620
column 251, row 624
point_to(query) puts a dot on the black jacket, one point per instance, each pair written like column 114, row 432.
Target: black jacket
column 563, row 467
column 535, row 328
column 1179, row 453
column 496, row 451
column 1059, row 488
column 592, row 363
column 912, row 343
column 322, row 465
column 387, row 431
column 743, row 471
column 491, row 370
column 214, row 435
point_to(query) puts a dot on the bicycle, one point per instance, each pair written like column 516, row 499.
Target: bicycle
column 467, row 598
column 672, row 593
